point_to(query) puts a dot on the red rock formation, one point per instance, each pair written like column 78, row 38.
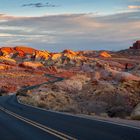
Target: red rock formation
column 23, row 50
column 55, row 56
column 105, row 54
column 33, row 54
column 7, row 49
column 20, row 50
column 4, row 67
column 33, row 65
column 69, row 52
column 42, row 55
column 7, row 61
column 136, row 45
column 52, row 69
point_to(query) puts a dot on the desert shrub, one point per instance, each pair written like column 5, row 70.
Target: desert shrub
column 21, row 92
column 73, row 84
column 3, row 91
column 41, row 105
column 118, row 111
column 136, row 117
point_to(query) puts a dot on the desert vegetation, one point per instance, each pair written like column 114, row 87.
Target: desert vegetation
column 101, row 83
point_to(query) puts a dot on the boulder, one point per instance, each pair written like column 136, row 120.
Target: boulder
column 136, row 113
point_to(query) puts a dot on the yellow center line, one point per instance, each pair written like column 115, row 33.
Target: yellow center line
column 40, row 126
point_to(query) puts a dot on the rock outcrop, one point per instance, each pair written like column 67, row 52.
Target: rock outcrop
column 23, row 50
column 8, row 61
column 136, row 45
column 33, row 65
column 51, row 69
column 41, row 55
column 56, row 56
column 20, row 51
column 105, row 54
column 69, row 54
column 4, row 67
column 134, row 50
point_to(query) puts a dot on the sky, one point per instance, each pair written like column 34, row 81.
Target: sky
column 56, row 25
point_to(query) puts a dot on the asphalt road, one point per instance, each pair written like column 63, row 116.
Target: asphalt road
column 20, row 122
column 55, row 79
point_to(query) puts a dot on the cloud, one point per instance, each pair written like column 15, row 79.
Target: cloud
column 39, row 5
column 134, row 6
column 73, row 31
column 134, row 0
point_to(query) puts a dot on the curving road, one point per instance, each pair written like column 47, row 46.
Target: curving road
column 12, row 128
column 22, row 122
column 56, row 79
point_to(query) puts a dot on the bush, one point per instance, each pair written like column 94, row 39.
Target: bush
column 136, row 117
column 21, row 93
column 3, row 91
column 41, row 105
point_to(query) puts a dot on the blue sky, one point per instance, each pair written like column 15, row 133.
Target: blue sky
column 14, row 7
column 76, row 24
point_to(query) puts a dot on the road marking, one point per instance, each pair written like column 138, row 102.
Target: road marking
column 84, row 117
column 40, row 126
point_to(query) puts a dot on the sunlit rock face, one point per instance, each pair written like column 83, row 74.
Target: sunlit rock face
column 28, row 53
column 4, row 67
column 6, row 60
column 70, row 54
column 7, row 52
column 41, row 55
column 56, row 56
column 18, row 51
column 24, row 50
column 33, row 65
column 105, row 54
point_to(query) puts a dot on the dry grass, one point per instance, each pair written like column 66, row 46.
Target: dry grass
column 135, row 117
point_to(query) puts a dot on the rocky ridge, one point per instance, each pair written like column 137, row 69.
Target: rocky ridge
column 96, row 82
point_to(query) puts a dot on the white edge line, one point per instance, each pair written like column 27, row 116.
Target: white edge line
column 99, row 120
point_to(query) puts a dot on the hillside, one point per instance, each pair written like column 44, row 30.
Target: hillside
column 96, row 82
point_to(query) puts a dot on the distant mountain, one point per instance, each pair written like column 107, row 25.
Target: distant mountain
column 136, row 45
column 132, row 51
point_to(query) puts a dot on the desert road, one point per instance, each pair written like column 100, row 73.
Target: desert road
column 21, row 122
